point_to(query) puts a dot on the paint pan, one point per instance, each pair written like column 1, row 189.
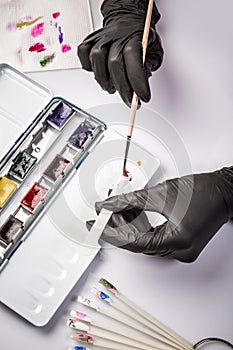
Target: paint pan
column 10, row 229
column 56, row 168
column 34, row 197
column 7, row 188
column 22, row 165
column 80, row 135
column 60, row 116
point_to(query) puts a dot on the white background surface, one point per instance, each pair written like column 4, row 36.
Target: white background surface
column 193, row 92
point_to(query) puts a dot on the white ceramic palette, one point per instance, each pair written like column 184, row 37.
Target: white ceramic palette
column 52, row 254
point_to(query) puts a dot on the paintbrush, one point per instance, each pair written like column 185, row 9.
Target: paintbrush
column 125, row 321
column 134, row 103
column 145, row 341
column 160, row 326
column 135, row 316
column 106, row 334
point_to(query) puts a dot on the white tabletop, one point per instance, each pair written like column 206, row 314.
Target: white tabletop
column 192, row 92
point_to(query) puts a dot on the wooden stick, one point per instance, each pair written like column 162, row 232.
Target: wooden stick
column 164, row 339
column 144, row 341
column 107, row 334
column 160, row 326
column 134, row 103
column 129, row 323
column 103, row 343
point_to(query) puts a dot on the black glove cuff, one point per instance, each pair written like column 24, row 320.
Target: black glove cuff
column 226, row 173
column 117, row 8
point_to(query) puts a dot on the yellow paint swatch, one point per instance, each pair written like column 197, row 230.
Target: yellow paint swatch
column 7, row 188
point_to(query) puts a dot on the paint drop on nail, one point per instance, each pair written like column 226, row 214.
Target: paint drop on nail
column 65, row 48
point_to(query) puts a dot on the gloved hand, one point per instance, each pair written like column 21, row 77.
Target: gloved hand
column 195, row 206
column 114, row 52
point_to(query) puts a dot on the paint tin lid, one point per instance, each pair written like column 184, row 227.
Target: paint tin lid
column 21, row 101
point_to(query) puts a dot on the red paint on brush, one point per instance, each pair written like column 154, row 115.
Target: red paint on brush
column 127, row 174
column 38, row 47
column 56, row 14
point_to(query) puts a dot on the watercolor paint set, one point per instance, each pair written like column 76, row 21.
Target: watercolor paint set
column 56, row 161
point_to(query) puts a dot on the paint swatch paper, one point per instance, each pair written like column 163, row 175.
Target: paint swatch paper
column 43, row 34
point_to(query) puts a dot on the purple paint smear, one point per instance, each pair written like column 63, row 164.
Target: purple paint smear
column 38, row 29
column 60, row 36
column 11, row 26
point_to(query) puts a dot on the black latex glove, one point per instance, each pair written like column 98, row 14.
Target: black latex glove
column 195, row 206
column 114, row 52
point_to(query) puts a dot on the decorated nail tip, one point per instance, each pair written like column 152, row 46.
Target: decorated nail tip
column 101, row 295
column 75, row 324
column 108, row 285
column 82, row 337
column 87, row 302
column 81, row 316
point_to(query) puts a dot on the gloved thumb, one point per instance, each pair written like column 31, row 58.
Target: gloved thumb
column 123, row 202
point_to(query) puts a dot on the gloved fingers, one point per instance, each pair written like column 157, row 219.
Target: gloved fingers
column 154, row 53
column 136, row 72
column 98, row 58
column 152, row 199
column 118, row 73
column 123, row 229
column 83, row 52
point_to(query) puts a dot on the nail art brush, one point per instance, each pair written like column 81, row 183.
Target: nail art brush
column 125, row 321
column 76, row 315
column 164, row 339
column 134, row 103
column 130, row 304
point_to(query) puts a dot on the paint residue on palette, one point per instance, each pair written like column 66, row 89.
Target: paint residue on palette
column 47, row 59
column 65, row 48
column 60, row 35
column 26, row 23
column 139, row 163
column 38, row 47
column 56, row 14
column 38, row 29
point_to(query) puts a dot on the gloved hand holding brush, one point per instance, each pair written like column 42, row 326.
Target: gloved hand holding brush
column 114, row 52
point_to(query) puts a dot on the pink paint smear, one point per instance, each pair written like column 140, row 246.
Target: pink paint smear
column 38, row 29
column 38, row 47
column 56, row 14
column 65, row 48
